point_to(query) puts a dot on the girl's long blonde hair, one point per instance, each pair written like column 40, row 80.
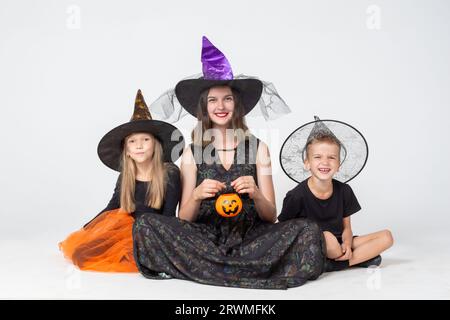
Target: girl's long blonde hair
column 156, row 187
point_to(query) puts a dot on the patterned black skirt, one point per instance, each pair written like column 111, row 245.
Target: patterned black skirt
column 264, row 256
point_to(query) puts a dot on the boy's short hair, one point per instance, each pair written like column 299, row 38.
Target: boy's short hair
column 322, row 138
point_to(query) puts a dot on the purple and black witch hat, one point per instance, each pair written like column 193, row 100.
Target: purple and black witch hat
column 216, row 71
column 175, row 103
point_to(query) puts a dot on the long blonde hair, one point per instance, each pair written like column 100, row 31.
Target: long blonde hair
column 156, row 188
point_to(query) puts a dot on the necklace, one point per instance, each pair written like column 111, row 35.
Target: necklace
column 226, row 149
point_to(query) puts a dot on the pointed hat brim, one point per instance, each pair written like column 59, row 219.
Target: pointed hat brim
column 188, row 92
column 111, row 145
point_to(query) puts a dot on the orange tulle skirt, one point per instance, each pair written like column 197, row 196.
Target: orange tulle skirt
column 105, row 244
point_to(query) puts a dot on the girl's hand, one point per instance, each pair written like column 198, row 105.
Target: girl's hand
column 207, row 189
column 346, row 252
column 246, row 184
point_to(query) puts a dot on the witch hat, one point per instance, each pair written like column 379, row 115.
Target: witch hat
column 111, row 145
column 216, row 72
column 354, row 149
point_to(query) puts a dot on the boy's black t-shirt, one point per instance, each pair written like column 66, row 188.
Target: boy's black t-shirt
column 300, row 202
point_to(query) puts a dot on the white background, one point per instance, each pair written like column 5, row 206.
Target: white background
column 69, row 72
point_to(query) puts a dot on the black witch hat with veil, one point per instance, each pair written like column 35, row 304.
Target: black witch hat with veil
column 256, row 94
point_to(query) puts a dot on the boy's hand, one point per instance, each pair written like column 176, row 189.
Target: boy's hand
column 346, row 252
column 347, row 241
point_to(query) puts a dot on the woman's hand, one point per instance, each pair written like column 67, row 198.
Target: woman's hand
column 246, row 184
column 207, row 189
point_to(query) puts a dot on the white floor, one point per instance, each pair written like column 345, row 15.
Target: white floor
column 36, row 270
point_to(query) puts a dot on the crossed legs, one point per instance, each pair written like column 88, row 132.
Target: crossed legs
column 364, row 247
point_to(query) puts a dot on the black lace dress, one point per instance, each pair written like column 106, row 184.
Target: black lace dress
column 242, row 251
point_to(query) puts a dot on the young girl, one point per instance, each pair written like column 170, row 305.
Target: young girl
column 329, row 201
column 146, row 185
column 226, row 233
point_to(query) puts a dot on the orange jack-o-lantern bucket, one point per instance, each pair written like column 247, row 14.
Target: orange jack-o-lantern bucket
column 229, row 205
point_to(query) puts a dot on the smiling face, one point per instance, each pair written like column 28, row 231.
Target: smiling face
column 322, row 159
column 139, row 147
column 220, row 105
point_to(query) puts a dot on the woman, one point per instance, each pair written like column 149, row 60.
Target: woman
column 245, row 250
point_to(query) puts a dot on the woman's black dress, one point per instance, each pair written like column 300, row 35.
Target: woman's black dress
column 243, row 251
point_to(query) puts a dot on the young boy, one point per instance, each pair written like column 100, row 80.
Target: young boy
column 331, row 203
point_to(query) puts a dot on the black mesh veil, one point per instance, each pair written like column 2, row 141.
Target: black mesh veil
column 270, row 105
